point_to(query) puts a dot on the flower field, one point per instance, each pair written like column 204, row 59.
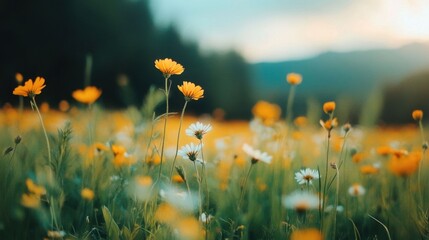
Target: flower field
column 80, row 171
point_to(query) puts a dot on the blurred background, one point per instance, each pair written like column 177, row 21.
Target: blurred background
column 372, row 57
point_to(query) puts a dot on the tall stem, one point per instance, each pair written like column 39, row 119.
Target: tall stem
column 166, row 91
column 51, row 202
column 336, row 200
column 243, row 187
column 200, row 207
column 421, row 161
column 326, row 177
column 290, row 104
column 177, row 141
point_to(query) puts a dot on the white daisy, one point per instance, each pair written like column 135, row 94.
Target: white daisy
column 356, row 190
column 256, row 155
column 301, row 201
column 190, row 151
column 305, row 176
column 198, row 130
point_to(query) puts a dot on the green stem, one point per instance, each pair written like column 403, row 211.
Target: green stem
column 290, row 105
column 326, row 178
column 200, row 207
column 51, row 202
column 177, row 141
column 421, row 162
column 336, row 200
column 243, row 188
column 166, row 90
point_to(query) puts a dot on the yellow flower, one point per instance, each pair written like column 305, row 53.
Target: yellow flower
column 384, row 150
column 30, row 88
column 358, row 157
column 190, row 91
column 144, row 181
column 417, row 115
column 165, row 213
column 306, row 234
column 169, row 67
column 87, row 194
column 30, row 200
column 34, row 188
column 294, row 78
column 269, row 113
column 189, row 228
column 300, row 121
column 88, row 95
column 328, row 107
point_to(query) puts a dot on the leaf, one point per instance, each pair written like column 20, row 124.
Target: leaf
column 127, row 233
column 111, row 226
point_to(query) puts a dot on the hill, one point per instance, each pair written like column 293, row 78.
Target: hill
column 333, row 74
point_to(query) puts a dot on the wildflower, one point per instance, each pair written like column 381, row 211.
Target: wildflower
column 205, row 218
column 330, row 208
column 188, row 228
column 30, row 200
column 64, row 106
column 358, row 157
column 301, row 201
column 198, row 130
column 30, row 88
column 19, row 78
column 256, row 155
column 329, row 107
column 369, row 169
column 306, row 234
column 329, row 124
column 169, row 67
column 384, row 150
column 300, row 121
column 417, row 115
column 294, row 78
column 356, row 190
column 88, row 95
column 34, row 188
column 269, row 113
column 404, row 165
column 305, row 176
column 190, row 151
column 191, row 91
column 144, row 181
column 100, row 147
column 87, row 194
column 347, row 127
column 165, row 213
column 177, row 178
column 56, row 234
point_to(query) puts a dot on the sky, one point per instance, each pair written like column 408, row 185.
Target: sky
column 276, row 30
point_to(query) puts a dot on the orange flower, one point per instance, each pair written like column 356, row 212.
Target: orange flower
column 306, row 234
column 404, row 165
column 294, row 78
column 30, row 200
column 358, row 157
column 329, row 124
column 30, row 89
column 88, row 95
column 417, row 115
column 169, row 67
column 328, row 107
column 384, row 150
column 269, row 113
column 34, row 188
column 19, row 78
column 190, row 91
column 87, row 194
column 177, row 178
column 369, row 169
column 300, row 121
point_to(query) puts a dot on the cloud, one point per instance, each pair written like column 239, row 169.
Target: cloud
column 278, row 30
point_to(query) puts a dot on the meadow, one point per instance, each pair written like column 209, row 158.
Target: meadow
column 80, row 171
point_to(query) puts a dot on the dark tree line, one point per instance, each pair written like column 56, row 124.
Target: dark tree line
column 55, row 39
